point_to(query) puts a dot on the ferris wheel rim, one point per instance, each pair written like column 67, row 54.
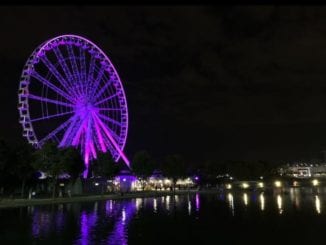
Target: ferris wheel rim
column 27, row 123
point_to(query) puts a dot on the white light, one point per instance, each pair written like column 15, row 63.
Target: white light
column 96, row 183
column 228, row 186
column 62, row 184
column 278, row 183
column 262, row 202
column 231, row 203
column 315, row 182
column 317, row 203
column 245, row 199
column 155, row 205
column 123, row 215
column 279, row 203
column 245, row 185
column 261, row 184
column 124, row 179
column 189, row 207
column 261, row 177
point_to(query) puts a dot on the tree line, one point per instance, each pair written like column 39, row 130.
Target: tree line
column 20, row 165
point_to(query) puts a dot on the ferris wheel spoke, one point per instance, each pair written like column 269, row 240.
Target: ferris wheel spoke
column 57, row 75
column 64, row 66
column 73, row 63
column 82, row 66
column 91, row 71
column 98, row 95
column 99, row 135
column 80, row 129
column 35, row 97
column 54, row 132
column 88, row 141
column 115, row 145
column 41, row 79
column 106, row 99
column 51, row 116
column 96, row 82
column 109, row 109
column 110, row 119
column 69, row 132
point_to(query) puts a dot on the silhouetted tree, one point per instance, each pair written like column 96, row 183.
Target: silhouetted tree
column 55, row 161
column 143, row 165
column 23, row 154
column 4, row 165
column 105, row 166
column 174, row 167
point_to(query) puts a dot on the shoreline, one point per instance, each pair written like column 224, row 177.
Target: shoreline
column 14, row 203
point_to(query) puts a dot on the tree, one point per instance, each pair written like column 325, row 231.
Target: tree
column 72, row 161
column 4, row 164
column 105, row 166
column 143, row 165
column 55, row 161
column 23, row 157
column 174, row 167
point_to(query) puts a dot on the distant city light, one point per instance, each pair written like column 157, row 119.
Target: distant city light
column 62, row 184
column 315, row 182
column 261, row 177
column 228, row 186
column 278, row 183
column 245, row 185
column 96, row 183
column 124, row 179
column 261, row 184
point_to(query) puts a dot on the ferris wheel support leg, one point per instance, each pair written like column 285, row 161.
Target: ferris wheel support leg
column 85, row 173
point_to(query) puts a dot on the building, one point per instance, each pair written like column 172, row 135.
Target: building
column 303, row 170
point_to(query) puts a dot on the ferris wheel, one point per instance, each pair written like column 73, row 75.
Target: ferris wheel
column 70, row 93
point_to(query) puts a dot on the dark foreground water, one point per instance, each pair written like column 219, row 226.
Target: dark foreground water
column 297, row 216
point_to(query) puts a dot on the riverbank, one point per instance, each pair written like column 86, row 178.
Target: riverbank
column 12, row 203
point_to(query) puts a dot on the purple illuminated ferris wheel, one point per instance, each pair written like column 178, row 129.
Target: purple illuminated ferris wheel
column 70, row 93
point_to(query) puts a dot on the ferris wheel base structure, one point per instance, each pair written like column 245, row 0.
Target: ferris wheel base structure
column 70, row 93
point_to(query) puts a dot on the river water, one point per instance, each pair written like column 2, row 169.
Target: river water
column 296, row 216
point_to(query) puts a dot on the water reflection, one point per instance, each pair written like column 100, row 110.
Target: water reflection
column 317, row 204
column 231, row 203
column 41, row 223
column 87, row 223
column 155, row 205
column 138, row 203
column 245, row 199
column 279, row 203
column 197, row 202
column 119, row 235
column 262, row 201
column 189, row 206
column 167, row 203
column 109, row 221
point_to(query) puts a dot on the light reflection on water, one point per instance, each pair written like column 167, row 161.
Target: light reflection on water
column 109, row 222
column 293, row 198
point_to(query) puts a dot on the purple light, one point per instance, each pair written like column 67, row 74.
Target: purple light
column 197, row 202
column 196, row 178
column 81, row 84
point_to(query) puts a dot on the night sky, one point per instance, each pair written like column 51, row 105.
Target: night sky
column 220, row 83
